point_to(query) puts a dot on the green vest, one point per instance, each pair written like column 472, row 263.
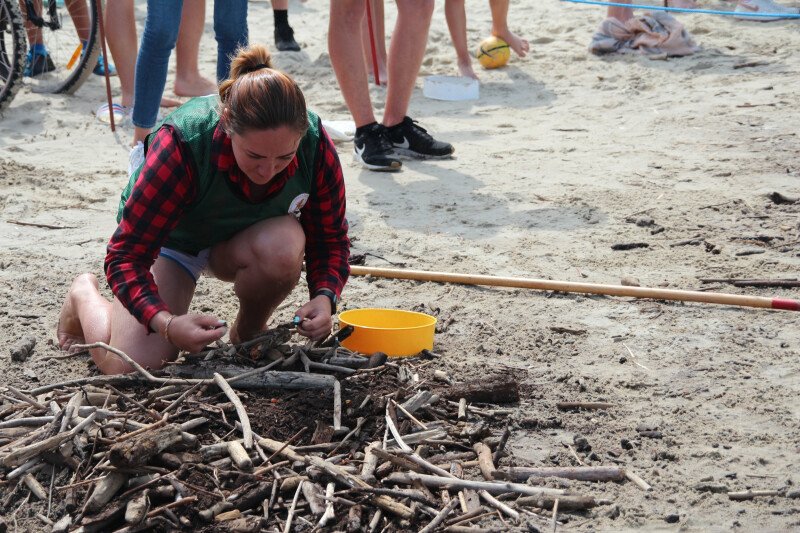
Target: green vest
column 218, row 212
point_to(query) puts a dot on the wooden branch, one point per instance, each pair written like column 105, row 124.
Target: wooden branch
column 589, row 406
column 440, row 517
column 751, row 494
column 455, row 483
column 496, row 389
column 139, row 449
column 485, row 462
column 247, row 433
column 239, row 456
column 581, row 473
column 105, row 490
column 17, row 457
column 565, row 502
column 642, row 484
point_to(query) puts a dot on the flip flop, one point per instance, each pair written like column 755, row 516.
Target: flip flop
column 122, row 114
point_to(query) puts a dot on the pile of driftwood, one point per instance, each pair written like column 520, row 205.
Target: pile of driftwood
column 196, row 448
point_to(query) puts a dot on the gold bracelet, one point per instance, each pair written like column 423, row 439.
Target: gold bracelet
column 166, row 328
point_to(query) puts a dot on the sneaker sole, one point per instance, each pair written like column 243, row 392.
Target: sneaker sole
column 416, row 155
column 378, row 168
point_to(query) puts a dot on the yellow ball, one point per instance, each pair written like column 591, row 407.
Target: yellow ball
column 493, row 52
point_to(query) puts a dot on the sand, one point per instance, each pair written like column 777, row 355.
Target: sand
column 556, row 162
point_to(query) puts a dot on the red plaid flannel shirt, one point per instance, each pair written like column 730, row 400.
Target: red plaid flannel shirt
column 167, row 186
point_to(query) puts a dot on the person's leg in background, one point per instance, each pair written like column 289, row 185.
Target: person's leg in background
column 188, row 81
column 456, row 15
column 378, row 27
column 230, row 31
column 500, row 28
column 284, row 34
column 158, row 39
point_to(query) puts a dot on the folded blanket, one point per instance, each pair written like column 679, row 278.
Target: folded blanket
column 650, row 33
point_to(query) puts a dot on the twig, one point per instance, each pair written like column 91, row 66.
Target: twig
column 337, row 405
column 440, row 517
column 288, row 527
column 555, row 516
column 642, row 484
column 633, row 358
column 247, row 433
column 409, row 415
column 38, row 225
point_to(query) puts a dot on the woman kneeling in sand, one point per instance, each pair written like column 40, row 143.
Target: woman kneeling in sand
column 240, row 187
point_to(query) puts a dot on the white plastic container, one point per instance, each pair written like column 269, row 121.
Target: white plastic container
column 451, row 88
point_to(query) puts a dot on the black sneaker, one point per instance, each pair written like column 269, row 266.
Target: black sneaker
column 373, row 149
column 412, row 140
column 284, row 39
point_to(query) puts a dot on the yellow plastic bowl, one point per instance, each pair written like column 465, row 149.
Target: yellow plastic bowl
column 393, row 332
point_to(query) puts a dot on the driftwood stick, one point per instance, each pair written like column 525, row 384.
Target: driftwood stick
column 182, row 501
column 485, row 462
column 565, row 502
column 409, row 415
column 751, row 494
column 337, row 405
column 581, row 473
column 642, row 484
column 554, row 522
column 497, row 504
column 462, row 409
column 288, row 527
column 21, row 455
column 25, row 398
column 491, row 487
column 286, row 444
column 30, row 421
column 34, row 486
column 440, row 517
column 239, row 456
column 589, row 406
column 104, row 491
column 247, row 433
column 498, row 452
column 329, row 511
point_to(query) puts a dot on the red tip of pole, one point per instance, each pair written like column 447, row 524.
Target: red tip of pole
column 786, row 304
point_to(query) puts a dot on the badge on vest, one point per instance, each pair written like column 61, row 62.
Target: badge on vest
column 297, row 204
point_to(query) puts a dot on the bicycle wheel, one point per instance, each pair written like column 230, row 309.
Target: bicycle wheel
column 74, row 46
column 12, row 51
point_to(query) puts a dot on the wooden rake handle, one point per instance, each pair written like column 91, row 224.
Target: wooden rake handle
column 583, row 288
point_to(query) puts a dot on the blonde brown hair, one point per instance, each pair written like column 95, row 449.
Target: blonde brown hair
column 257, row 97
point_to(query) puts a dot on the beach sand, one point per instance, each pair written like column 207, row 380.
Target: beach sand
column 564, row 155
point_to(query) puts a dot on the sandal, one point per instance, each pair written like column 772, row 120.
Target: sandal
column 122, row 114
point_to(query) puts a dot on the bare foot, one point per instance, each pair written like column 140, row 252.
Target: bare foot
column 170, row 102
column 194, row 86
column 241, row 333
column 517, row 43
column 465, row 69
column 69, row 330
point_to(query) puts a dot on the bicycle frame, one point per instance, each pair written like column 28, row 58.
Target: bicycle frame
column 54, row 23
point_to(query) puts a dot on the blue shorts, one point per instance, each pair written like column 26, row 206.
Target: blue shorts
column 194, row 265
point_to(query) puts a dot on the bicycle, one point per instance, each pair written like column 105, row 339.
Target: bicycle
column 69, row 31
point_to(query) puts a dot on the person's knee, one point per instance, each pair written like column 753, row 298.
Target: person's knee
column 418, row 8
column 280, row 253
column 160, row 34
column 348, row 12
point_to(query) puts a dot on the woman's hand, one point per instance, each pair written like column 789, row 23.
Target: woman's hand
column 194, row 332
column 315, row 318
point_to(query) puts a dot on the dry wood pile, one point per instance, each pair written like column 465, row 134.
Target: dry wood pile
column 317, row 439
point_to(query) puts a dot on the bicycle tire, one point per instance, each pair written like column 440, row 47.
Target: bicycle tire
column 13, row 46
column 67, row 81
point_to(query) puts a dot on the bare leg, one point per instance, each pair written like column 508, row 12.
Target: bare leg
column 500, row 28
column 456, row 16
column 380, row 41
column 79, row 12
column 263, row 262
column 176, row 288
column 88, row 317
column 621, row 13
column 409, row 39
column 34, row 33
column 347, row 58
column 122, row 43
column 188, row 81
column 85, row 315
